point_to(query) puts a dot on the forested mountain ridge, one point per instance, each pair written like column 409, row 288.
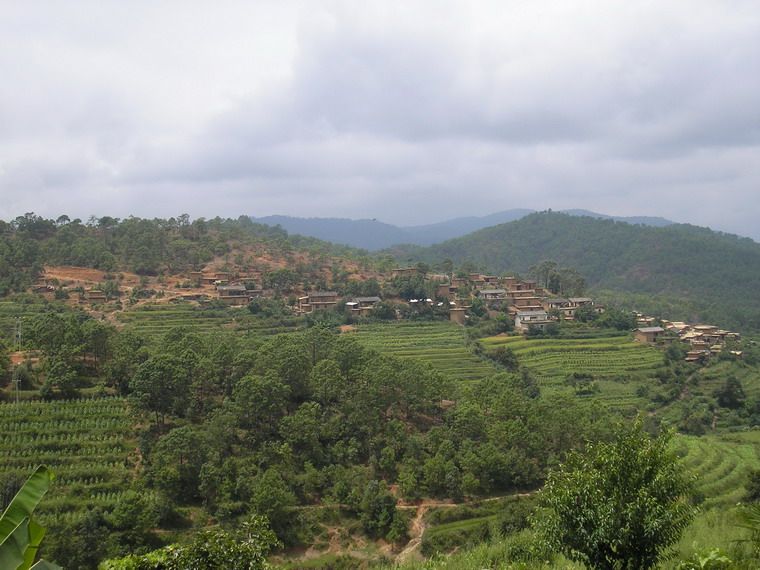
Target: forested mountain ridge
column 151, row 246
column 680, row 270
column 374, row 235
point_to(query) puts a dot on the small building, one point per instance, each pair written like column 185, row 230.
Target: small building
column 524, row 320
column 446, row 291
column 457, row 315
column 362, row 306
column 233, row 294
column 555, row 303
column 648, row 335
column 510, row 283
column 95, row 296
column 317, row 301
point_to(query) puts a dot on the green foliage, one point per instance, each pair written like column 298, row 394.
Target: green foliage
column 656, row 270
column 245, row 548
column 619, row 505
column 20, row 536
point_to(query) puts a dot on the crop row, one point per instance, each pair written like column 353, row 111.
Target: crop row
column 440, row 344
column 83, row 442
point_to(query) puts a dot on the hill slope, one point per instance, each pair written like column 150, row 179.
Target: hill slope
column 374, row 235
column 680, row 270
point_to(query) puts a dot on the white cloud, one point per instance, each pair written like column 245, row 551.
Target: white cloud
column 353, row 109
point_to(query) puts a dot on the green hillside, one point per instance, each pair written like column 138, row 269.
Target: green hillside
column 680, row 270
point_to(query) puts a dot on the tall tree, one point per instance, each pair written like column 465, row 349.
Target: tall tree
column 619, row 505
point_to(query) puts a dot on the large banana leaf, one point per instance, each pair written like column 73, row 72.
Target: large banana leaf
column 17, row 516
column 14, row 545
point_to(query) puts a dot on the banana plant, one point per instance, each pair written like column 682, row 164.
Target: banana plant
column 20, row 536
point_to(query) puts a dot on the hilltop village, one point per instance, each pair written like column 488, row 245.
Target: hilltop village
column 404, row 292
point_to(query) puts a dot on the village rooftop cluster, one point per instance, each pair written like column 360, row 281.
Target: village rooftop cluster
column 528, row 305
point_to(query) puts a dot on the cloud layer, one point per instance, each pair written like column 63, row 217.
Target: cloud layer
column 408, row 112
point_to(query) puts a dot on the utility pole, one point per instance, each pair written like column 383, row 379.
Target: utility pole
column 19, row 347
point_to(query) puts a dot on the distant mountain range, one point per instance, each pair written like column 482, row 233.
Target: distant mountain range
column 374, row 235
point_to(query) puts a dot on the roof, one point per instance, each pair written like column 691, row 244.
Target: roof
column 493, row 291
column 531, row 313
column 323, row 294
column 580, row 299
column 231, row 288
column 651, row 329
column 366, row 299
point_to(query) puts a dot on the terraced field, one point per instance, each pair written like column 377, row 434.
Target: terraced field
column 721, row 464
column 439, row 343
column 84, row 443
column 154, row 320
column 554, row 359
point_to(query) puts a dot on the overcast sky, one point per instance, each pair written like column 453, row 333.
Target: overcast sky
column 408, row 112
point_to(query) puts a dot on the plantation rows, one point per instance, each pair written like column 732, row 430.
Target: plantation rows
column 603, row 357
column 84, row 443
column 440, row 344
column 155, row 320
column 721, row 464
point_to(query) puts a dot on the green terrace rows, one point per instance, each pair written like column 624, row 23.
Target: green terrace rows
column 555, row 359
column 721, row 464
column 156, row 319
column 441, row 344
column 82, row 441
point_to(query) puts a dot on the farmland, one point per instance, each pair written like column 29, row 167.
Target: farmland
column 84, row 442
column 554, row 359
column 155, row 319
column 440, row 344
column 721, row 464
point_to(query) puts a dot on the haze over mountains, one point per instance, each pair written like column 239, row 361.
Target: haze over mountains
column 374, row 235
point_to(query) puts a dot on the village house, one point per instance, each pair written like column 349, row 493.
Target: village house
column 492, row 294
column 554, row 303
column 94, row 296
column 577, row 302
column 509, row 283
column 648, row 335
column 446, row 291
column 233, row 294
column 317, row 301
column 524, row 320
column 457, row 315
column 362, row 306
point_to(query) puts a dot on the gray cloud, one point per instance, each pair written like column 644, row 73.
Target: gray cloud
column 408, row 112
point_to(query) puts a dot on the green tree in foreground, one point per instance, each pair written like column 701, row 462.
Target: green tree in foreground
column 20, row 536
column 620, row 505
column 244, row 549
